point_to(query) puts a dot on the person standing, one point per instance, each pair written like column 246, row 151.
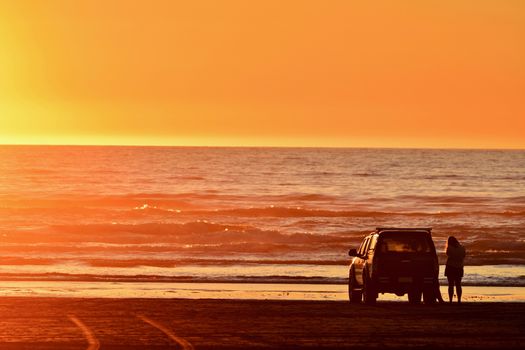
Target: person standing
column 454, row 267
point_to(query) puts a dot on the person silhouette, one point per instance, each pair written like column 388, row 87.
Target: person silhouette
column 454, row 267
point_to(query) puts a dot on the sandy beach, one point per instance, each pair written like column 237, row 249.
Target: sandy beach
column 230, row 174
column 68, row 323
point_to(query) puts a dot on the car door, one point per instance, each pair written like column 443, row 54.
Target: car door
column 360, row 261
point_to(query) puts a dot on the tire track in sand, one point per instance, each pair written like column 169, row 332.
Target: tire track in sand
column 93, row 343
column 183, row 343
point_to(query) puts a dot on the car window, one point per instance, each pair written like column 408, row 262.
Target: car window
column 362, row 249
column 404, row 244
column 367, row 245
column 373, row 242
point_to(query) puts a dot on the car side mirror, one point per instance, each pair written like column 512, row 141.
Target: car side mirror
column 352, row 252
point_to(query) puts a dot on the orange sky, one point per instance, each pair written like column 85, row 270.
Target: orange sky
column 443, row 73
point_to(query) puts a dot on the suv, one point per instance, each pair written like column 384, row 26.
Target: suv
column 394, row 260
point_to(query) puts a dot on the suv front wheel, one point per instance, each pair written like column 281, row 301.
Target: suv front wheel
column 354, row 295
column 369, row 293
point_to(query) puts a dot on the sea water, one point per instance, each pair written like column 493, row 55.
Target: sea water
column 262, row 215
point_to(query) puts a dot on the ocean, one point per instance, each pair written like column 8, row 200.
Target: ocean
column 254, row 215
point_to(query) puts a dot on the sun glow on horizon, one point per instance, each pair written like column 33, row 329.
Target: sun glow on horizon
column 447, row 74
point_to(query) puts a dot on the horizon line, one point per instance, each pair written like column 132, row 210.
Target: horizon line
column 258, row 146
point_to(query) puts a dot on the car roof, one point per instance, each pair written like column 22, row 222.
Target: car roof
column 414, row 230
column 404, row 229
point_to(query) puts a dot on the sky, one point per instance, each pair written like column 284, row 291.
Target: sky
column 434, row 73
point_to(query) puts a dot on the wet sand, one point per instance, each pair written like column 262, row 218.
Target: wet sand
column 258, row 291
column 68, row 323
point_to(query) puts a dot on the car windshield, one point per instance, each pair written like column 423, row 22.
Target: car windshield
column 404, row 244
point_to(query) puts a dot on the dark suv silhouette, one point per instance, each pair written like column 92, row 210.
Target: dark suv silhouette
column 394, row 260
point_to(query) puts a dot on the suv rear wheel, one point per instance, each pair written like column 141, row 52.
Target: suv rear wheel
column 414, row 296
column 429, row 296
column 354, row 295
